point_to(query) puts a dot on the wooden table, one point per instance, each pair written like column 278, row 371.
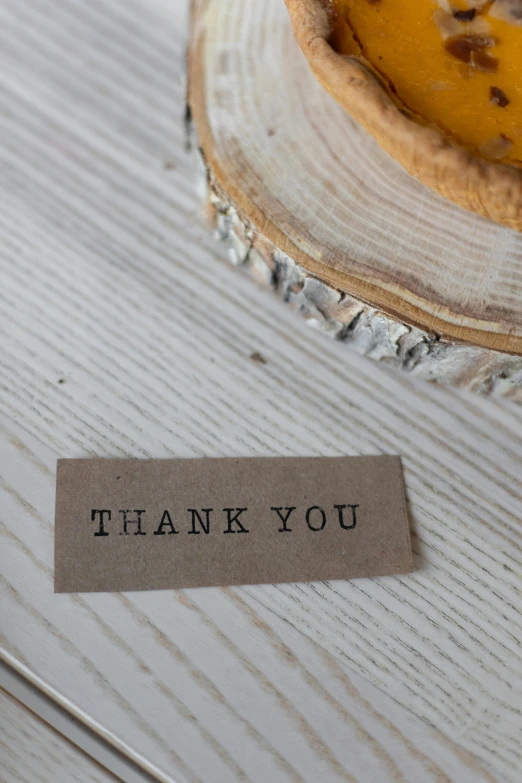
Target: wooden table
column 125, row 332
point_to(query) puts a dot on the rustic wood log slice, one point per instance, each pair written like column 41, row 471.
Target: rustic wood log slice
column 310, row 202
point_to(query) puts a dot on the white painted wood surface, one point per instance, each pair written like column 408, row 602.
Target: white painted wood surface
column 124, row 333
column 32, row 752
column 62, row 723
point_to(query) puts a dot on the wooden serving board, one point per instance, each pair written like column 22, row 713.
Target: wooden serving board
column 310, row 201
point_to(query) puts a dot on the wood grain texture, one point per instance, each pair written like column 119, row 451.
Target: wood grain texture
column 32, row 752
column 320, row 189
column 124, row 334
column 206, row 684
column 65, row 724
column 347, row 319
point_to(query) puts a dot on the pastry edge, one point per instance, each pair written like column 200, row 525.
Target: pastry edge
column 493, row 190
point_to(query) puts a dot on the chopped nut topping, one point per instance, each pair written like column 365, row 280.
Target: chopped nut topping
column 465, row 16
column 484, row 62
column 479, row 26
column 440, row 86
column 497, row 97
column 496, row 148
column 447, row 24
column 508, row 10
column 463, row 46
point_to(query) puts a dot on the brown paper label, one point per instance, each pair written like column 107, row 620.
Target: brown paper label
column 155, row 524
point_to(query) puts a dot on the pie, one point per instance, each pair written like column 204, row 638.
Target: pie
column 438, row 83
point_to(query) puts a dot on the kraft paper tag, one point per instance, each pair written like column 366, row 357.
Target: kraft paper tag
column 156, row 524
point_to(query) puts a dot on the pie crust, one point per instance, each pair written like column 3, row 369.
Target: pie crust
column 491, row 189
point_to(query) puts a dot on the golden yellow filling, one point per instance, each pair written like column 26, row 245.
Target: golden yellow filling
column 453, row 63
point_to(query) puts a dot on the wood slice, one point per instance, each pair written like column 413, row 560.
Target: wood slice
column 296, row 184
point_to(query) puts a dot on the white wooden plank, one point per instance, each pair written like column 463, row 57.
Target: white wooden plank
column 62, row 723
column 32, row 752
column 123, row 334
column 199, row 684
